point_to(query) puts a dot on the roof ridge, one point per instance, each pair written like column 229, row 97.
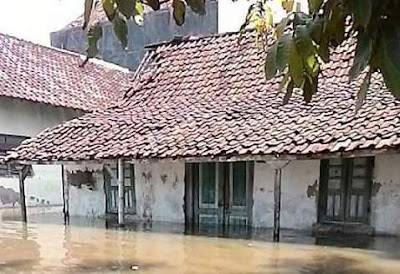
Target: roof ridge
column 95, row 61
column 190, row 38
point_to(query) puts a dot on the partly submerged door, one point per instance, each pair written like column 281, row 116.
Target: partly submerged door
column 222, row 194
column 345, row 190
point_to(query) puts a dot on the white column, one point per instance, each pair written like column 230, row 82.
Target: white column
column 277, row 165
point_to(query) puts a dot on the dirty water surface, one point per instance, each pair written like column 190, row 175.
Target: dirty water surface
column 45, row 245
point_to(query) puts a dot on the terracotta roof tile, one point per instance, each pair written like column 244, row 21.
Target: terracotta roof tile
column 209, row 97
column 51, row 76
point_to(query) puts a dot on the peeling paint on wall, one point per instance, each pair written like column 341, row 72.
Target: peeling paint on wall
column 312, row 190
column 148, row 196
column 376, row 186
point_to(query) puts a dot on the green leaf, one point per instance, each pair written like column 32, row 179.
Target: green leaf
column 289, row 92
column 270, row 62
column 139, row 8
column 280, row 28
column 363, row 54
column 314, row 5
column 282, row 52
column 303, row 41
column 87, row 13
column 361, row 9
column 126, row 7
column 323, row 50
column 94, row 35
column 362, row 92
column 139, row 12
column 309, row 88
column 121, row 30
column 335, row 27
column 388, row 55
column 197, row 6
column 154, row 4
column 109, row 8
column 295, row 65
column 179, row 10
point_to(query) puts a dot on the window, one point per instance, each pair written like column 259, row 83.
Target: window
column 111, row 187
column 345, row 190
column 7, row 143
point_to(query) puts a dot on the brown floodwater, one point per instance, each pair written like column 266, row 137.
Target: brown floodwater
column 45, row 245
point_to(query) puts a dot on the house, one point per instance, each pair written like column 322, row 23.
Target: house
column 203, row 138
column 41, row 87
column 157, row 26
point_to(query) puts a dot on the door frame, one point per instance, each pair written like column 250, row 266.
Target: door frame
column 191, row 198
column 345, row 190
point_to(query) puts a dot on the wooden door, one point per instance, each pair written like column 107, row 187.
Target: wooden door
column 209, row 195
column 239, row 192
column 222, row 194
column 345, row 190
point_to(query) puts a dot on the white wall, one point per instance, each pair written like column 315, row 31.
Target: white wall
column 84, row 201
column 298, row 211
column 21, row 117
column 160, row 189
column 385, row 204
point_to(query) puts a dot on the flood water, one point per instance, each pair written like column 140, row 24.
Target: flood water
column 45, row 245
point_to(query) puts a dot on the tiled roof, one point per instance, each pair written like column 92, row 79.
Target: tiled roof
column 47, row 75
column 208, row 97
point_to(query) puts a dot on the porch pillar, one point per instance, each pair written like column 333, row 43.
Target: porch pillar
column 121, row 193
column 277, row 165
column 65, row 188
column 22, row 173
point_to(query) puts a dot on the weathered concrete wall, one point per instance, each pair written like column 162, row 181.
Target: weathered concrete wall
column 158, row 26
column 299, row 200
column 87, row 200
column 160, row 189
column 385, row 204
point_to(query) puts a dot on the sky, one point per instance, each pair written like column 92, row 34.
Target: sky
column 33, row 20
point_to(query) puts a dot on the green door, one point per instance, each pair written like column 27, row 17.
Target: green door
column 222, row 194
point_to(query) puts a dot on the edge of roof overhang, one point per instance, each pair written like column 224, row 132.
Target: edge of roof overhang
column 232, row 158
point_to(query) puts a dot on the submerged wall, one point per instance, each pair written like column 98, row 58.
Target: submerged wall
column 160, row 194
column 298, row 200
column 86, row 199
column 385, row 203
column 160, row 189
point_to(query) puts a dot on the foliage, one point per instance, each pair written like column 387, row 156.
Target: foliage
column 303, row 41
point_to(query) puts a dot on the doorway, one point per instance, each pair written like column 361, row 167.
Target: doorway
column 219, row 194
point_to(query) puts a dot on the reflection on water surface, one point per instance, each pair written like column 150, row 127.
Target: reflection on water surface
column 86, row 246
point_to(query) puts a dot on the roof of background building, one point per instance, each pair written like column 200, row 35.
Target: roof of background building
column 51, row 76
column 208, row 97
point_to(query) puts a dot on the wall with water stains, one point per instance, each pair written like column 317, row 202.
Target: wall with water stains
column 160, row 189
column 385, row 203
column 299, row 195
column 86, row 198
